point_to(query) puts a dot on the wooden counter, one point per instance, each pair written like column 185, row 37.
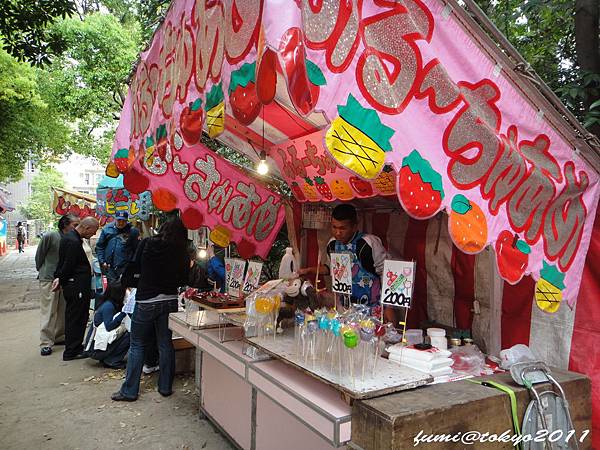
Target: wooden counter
column 393, row 421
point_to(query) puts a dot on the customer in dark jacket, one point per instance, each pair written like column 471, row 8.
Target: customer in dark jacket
column 112, row 301
column 74, row 275
column 164, row 266
column 52, row 303
column 116, row 246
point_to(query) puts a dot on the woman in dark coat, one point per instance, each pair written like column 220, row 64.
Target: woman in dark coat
column 164, row 265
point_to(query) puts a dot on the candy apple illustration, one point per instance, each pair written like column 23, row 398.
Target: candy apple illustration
column 164, row 199
column 192, row 218
column 190, row 122
column 362, row 187
column 512, row 256
column 323, row 188
column 358, row 140
column 161, row 142
column 467, row 225
column 215, row 111
column 297, row 191
column 243, row 98
column 135, row 182
column 548, row 289
column 266, row 76
column 419, row 187
column 385, row 182
column 316, row 79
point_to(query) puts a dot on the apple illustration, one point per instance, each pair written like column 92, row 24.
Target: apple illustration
column 190, row 122
column 512, row 256
column 362, row 187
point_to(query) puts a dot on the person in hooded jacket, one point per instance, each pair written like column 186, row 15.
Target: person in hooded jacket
column 164, row 264
column 116, row 246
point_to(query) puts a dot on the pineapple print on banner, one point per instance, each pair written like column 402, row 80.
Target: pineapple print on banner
column 548, row 289
column 215, row 111
column 358, row 140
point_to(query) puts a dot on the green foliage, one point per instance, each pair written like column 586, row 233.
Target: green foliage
column 29, row 129
column 39, row 205
column 86, row 85
column 24, row 26
column 543, row 31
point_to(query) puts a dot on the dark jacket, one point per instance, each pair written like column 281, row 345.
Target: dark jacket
column 106, row 313
column 116, row 247
column 73, row 264
column 163, row 267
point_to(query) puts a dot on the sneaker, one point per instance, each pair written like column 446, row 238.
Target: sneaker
column 45, row 351
column 150, row 369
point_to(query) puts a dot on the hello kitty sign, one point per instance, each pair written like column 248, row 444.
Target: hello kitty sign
column 398, row 283
column 341, row 273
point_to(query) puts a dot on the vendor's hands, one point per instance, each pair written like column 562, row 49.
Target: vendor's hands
column 55, row 285
column 304, row 271
column 105, row 266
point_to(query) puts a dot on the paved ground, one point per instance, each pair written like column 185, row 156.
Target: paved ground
column 18, row 283
column 46, row 403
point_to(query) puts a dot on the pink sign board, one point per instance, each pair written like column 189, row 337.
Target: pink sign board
column 314, row 176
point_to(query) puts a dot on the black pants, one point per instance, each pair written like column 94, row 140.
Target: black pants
column 77, row 296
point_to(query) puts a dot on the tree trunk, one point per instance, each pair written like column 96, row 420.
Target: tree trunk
column 587, row 46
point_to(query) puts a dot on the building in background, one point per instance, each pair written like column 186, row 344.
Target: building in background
column 81, row 173
column 20, row 192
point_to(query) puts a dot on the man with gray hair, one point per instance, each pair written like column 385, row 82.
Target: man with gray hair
column 52, row 303
column 74, row 275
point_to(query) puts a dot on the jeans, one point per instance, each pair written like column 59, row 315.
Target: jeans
column 149, row 317
column 114, row 353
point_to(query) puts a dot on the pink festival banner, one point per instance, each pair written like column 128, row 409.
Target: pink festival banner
column 398, row 84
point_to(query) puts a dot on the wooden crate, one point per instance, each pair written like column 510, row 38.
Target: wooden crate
column 393, row 421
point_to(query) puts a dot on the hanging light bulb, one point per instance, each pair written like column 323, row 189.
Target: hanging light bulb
column 263, row 167
column 202, row 254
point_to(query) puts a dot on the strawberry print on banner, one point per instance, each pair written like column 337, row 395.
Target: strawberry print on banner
column 243, row 98
column 549, row 287
column 512, row 256
column 420, row 187
column 124, row 159
column 467, row 225
column 215, row 111
column 358, row 140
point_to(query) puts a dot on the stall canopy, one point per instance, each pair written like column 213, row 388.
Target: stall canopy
column 408, row 100
column 355, row 99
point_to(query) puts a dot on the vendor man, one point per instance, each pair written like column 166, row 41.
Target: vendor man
column 368, row 255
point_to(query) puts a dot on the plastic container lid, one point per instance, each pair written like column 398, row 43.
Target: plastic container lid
column 436, row 332
column 414, row 332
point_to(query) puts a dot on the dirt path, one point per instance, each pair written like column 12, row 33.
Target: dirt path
column 46, row 403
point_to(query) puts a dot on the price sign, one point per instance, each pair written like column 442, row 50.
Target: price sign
column 252, row 277
column 234, row 269
column 341, row 273
column 398, row 282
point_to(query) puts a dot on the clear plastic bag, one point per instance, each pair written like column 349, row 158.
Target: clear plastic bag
column 517, row 353
column 468, row 359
